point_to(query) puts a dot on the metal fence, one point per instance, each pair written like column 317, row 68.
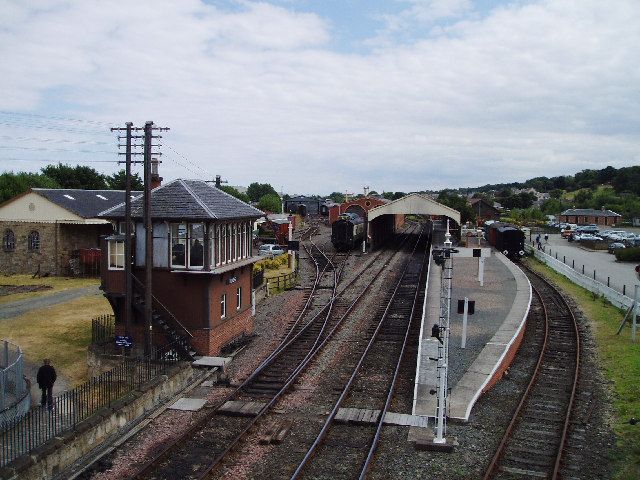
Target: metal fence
column 103, row 329
column 40, row 424
column 14, row 391
column 616, row 298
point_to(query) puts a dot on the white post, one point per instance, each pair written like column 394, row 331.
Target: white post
column 481, row 271
column 634, row 322
column 253, row 302
column 290, row 252
column 464, row 323
column 364, row 245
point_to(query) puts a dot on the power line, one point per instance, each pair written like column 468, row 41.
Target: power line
column 189, row 161
column 44, row 149
column 55, row 117
column 54, row 140
column 50, row 160
column 54, row 128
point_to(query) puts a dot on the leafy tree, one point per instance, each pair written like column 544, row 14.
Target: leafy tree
column 256, row 191
column 582, row 198
column 79, row 176
column 455, row 201
column 627, row 180
column 236, row 193
column 337, row 197
column 12, row 184
column 387, row 195
column 270, row 203
column 555, row 193
column 398, row 195
column 553, row 206
column 117, row 181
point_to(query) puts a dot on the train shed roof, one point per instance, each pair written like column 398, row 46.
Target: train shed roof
column 414, row 204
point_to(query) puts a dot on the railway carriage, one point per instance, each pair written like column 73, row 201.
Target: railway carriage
column 347, row 232
column 506, row 238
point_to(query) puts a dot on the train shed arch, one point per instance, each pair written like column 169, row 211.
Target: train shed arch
column 412, row 204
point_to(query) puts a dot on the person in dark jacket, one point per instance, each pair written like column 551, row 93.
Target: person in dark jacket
column 46, row 378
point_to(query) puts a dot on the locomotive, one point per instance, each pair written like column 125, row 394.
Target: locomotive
column 347, row 232
column 506, row 238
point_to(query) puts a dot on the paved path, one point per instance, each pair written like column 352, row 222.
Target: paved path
column 14, row 309
column 620, row 274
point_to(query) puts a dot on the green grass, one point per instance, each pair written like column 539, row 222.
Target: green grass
column 620, row 360
column 57, row 284
column 61, row 332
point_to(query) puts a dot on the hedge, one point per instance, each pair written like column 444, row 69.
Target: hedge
column 628, row 254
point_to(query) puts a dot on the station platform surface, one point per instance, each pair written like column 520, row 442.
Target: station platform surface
column 493, row 332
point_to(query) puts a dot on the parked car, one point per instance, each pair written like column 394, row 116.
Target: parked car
column 593, row 229
column 270, row 250
column 615, row 246
column 587, row 236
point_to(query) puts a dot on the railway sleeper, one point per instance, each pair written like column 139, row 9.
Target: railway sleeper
column 524, row 472
column 536, row 461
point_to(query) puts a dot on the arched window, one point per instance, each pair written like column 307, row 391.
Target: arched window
column 33, row 241
column 8, row 241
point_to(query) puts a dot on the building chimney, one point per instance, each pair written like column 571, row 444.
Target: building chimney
column 218, row 181
column 156, row 180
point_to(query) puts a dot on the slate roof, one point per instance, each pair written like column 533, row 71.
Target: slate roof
column 84, row 203
column 590, row 212
column 188, row 200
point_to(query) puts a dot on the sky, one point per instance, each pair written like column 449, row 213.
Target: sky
column 329, row 95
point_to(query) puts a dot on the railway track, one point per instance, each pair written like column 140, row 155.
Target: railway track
column 535, row 439
column 219, row 433
column 346, row 451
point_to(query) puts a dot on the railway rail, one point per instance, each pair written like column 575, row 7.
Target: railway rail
column 346, row 451
column 535, row 439
column 207, row 443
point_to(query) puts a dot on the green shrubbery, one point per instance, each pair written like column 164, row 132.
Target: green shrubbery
column 271, row 263
column 628, row 254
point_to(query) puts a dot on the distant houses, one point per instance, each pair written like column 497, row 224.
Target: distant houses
column 586, row 216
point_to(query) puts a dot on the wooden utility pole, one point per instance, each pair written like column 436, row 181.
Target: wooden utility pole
column 148, row 226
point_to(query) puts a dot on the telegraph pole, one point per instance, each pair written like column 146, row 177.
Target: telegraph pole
column 147, row 161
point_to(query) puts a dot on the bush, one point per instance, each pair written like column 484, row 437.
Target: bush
column 628, row 254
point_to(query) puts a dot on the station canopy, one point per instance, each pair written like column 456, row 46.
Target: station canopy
column 414, row 204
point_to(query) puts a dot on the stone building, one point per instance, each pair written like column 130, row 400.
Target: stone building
column 202, row 268
column 54, row 231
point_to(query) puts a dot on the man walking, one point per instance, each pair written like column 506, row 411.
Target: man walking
column 46, row 378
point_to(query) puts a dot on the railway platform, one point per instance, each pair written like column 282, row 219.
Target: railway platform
column 494, row 332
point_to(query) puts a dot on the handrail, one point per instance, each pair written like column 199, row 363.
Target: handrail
column 166, row 310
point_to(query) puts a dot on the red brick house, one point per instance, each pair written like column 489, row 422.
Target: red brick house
column 202, row 266
column 587, row 216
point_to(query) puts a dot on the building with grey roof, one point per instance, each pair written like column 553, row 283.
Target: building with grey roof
column 53, row 231
column 587, row 216
column 202, row 266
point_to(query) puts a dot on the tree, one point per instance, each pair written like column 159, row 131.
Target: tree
column 337, row 197
column 236, row 193
column 387, row 195
column 256, row 191
column 398, row 195
column 81, row 177
column 553, row 206
column 117, row 181
column 455, row 201
column 12, row 184
column 270, row 203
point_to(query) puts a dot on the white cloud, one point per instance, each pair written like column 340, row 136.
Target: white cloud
column 538, row 89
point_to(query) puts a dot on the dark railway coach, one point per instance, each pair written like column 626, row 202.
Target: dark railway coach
column 347, row 231
column 506, row 238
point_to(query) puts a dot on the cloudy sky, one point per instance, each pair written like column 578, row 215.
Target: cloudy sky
column 326, row 95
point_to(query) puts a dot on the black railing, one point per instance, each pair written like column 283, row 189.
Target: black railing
column 103, row 329
column 282, row 282
column 41, row 424
column 258, row 279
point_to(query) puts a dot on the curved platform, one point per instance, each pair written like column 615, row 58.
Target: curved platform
column 494, row 332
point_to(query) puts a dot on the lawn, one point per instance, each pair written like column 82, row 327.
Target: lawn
column 61, row 332
column 620, row 359
column 57, row 284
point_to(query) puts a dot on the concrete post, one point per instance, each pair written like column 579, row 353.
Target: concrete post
column 464, row 323
column 253, row 302
column 634, row 321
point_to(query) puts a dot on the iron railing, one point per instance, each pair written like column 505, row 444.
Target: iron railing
column 281, row 282
column 13, row 386
column 40, row 424
column 103, row 329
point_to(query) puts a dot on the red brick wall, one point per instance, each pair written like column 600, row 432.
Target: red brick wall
column 506, row 361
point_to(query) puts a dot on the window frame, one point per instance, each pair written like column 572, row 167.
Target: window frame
column 190, row 239
column 117, row 255
column 33, row 241
column 223, row 306
column 171, row 243
column 8, row 240
column 238, row 298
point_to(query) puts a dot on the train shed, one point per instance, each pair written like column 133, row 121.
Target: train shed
column 384, row 219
